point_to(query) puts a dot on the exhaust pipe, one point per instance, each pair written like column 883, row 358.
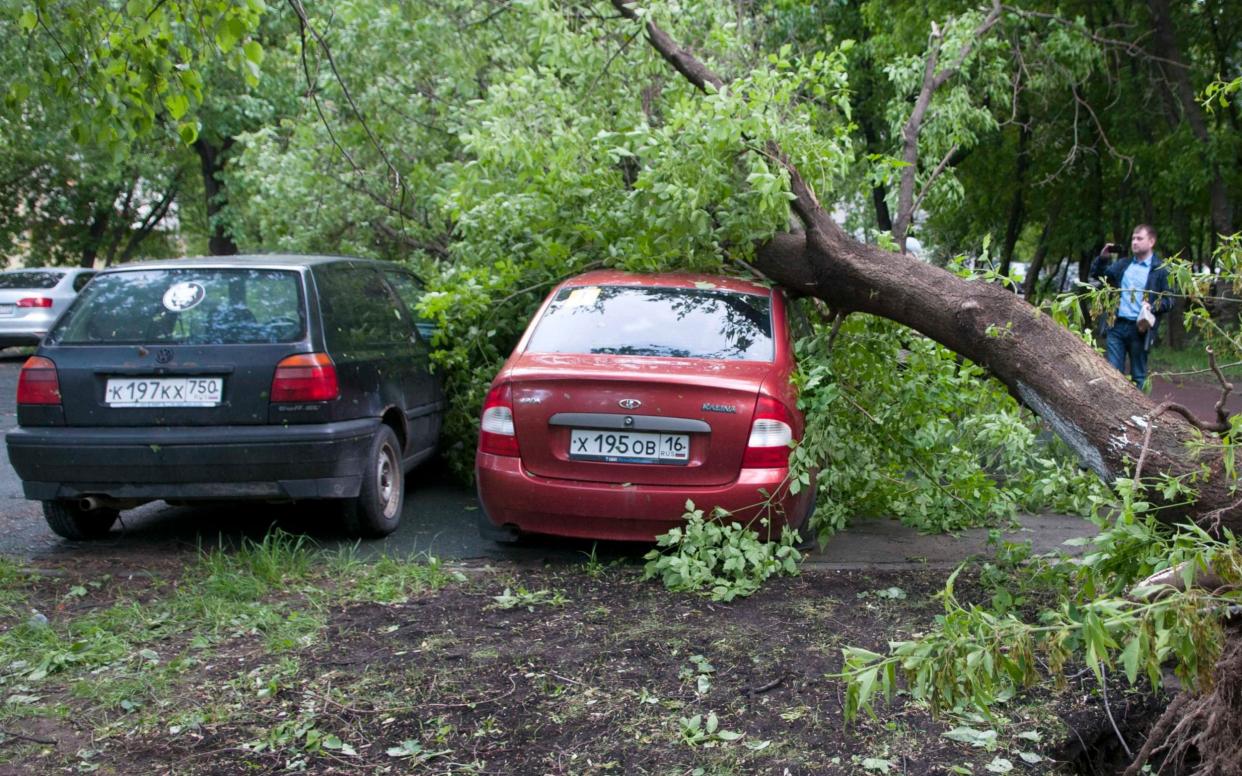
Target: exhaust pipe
column 91, row 503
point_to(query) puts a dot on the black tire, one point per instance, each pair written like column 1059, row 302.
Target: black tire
column 68, row 520
column 376, row 512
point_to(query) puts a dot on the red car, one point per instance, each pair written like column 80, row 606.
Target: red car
column 629, row 394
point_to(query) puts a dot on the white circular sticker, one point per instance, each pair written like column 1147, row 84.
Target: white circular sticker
column 183, row 296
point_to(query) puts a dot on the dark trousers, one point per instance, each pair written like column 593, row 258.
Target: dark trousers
column 1124, row 339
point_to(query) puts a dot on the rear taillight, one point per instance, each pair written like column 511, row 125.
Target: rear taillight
column 770, row 435
column 496, row 435
column 34, row 301
column 38, row 383
column 305, row 377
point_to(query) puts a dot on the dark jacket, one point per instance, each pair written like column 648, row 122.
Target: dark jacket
column 1156, row 292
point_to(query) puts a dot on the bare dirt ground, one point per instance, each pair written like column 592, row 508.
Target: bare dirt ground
column 589, row 669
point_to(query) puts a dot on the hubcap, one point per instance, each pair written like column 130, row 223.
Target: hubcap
column 386, row 478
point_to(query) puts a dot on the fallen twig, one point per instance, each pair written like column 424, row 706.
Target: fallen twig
column 472, row 704
column 772, row 685
column 32, row 739
column 1108, row 710
column 1222, row 416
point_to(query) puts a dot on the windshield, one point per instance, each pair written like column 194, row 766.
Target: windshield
column 186, row 306
column 652, row 321
column 30, row 279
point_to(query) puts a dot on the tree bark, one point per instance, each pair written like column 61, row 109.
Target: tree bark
column 1031, row 283
column 212, row 159
column 1093, row 407
column 95, row 234
column 879, row 194
column 1177, row 74
column 1017, row 206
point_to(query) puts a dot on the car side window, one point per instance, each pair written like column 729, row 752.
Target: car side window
column 359, row 312
column 81, row 280
column 411, row 290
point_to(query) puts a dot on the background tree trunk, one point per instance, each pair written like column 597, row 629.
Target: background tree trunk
column 95, row 235
column 1017, row 206
column 212, row 160
column 1176, row 74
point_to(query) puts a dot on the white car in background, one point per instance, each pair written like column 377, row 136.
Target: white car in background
column 32, row 299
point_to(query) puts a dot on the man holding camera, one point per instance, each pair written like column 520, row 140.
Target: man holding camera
column 1144, row 284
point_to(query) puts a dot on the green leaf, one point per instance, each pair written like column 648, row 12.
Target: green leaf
column 28, row 21
column 982, row 739
column 177, row 105
column 188, row 132
column 1130, row 659
column 253, row 51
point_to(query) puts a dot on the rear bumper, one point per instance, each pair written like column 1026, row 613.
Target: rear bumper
column 594, row 510
column 25, row 330
column 189, row 463
column 14, row 339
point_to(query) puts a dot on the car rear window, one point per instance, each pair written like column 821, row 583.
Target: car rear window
column 30, row 279
column 223, row 306
column 656, row 321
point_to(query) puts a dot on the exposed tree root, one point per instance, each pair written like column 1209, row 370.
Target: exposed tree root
column 1201, row 735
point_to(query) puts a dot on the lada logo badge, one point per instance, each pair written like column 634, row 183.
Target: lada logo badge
column 630, row 404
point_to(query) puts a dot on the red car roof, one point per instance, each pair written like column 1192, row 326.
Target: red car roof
column 610, row 277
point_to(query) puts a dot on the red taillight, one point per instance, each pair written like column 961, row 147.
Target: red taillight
column 34, row 301
column 770, row 435
column 496, row 435
column 38, row 383
column 305, row 377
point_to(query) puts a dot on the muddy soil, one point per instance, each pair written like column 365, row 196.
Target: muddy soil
column 595, row 671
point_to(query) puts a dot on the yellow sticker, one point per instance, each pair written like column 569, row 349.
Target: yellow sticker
column 581, row 297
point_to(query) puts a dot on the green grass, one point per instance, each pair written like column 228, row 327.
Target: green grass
column 115, row 663
column 1188, row 363
column 389, row 580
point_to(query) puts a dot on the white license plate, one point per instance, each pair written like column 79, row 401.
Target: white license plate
column 7, row 309
column 164, row 391
column 628, row 446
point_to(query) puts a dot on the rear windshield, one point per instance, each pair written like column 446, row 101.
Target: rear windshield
column 30, row 279
column 647, row 321
column 186, row 306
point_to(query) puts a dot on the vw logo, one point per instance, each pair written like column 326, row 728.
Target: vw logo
column 164, row 355
column 630, row 404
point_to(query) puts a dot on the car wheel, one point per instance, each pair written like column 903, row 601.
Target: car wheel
column 70, row 521
column 376, row 511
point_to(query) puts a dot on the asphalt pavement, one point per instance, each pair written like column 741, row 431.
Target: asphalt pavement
column 440, row 519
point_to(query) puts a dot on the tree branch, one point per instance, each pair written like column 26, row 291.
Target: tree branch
column 304, row 27
column 932, row 178
column 152, row 219
column 681, row 59
column 906, row 204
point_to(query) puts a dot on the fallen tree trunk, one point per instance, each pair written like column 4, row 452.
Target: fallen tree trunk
column 1096, row 410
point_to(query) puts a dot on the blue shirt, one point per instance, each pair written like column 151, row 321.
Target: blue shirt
column 1133, row 284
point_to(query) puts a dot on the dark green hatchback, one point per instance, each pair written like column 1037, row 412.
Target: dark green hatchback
column 258, row 377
